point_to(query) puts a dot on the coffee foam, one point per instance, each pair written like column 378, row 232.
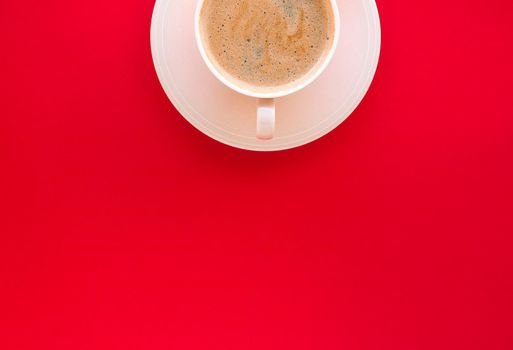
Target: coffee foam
column 266, row 44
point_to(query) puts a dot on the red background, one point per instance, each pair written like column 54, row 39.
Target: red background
column 123, row 227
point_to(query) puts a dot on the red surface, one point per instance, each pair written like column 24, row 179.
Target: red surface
column 122, row 227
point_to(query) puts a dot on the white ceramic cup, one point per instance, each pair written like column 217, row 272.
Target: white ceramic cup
column 266, row 110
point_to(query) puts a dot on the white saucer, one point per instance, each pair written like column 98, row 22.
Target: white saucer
column 230, row 117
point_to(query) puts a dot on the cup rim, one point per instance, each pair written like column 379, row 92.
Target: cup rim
column 247, row 92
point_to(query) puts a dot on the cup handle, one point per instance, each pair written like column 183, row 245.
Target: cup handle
column 266, row 112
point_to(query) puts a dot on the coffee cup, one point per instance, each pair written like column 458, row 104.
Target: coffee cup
column 266, row 94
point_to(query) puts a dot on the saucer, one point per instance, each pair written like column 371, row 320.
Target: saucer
column 230, row 117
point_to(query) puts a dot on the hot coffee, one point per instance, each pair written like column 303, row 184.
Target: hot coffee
column 267, row 43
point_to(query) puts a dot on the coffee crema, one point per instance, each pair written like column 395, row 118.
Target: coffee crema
column 266, row 43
